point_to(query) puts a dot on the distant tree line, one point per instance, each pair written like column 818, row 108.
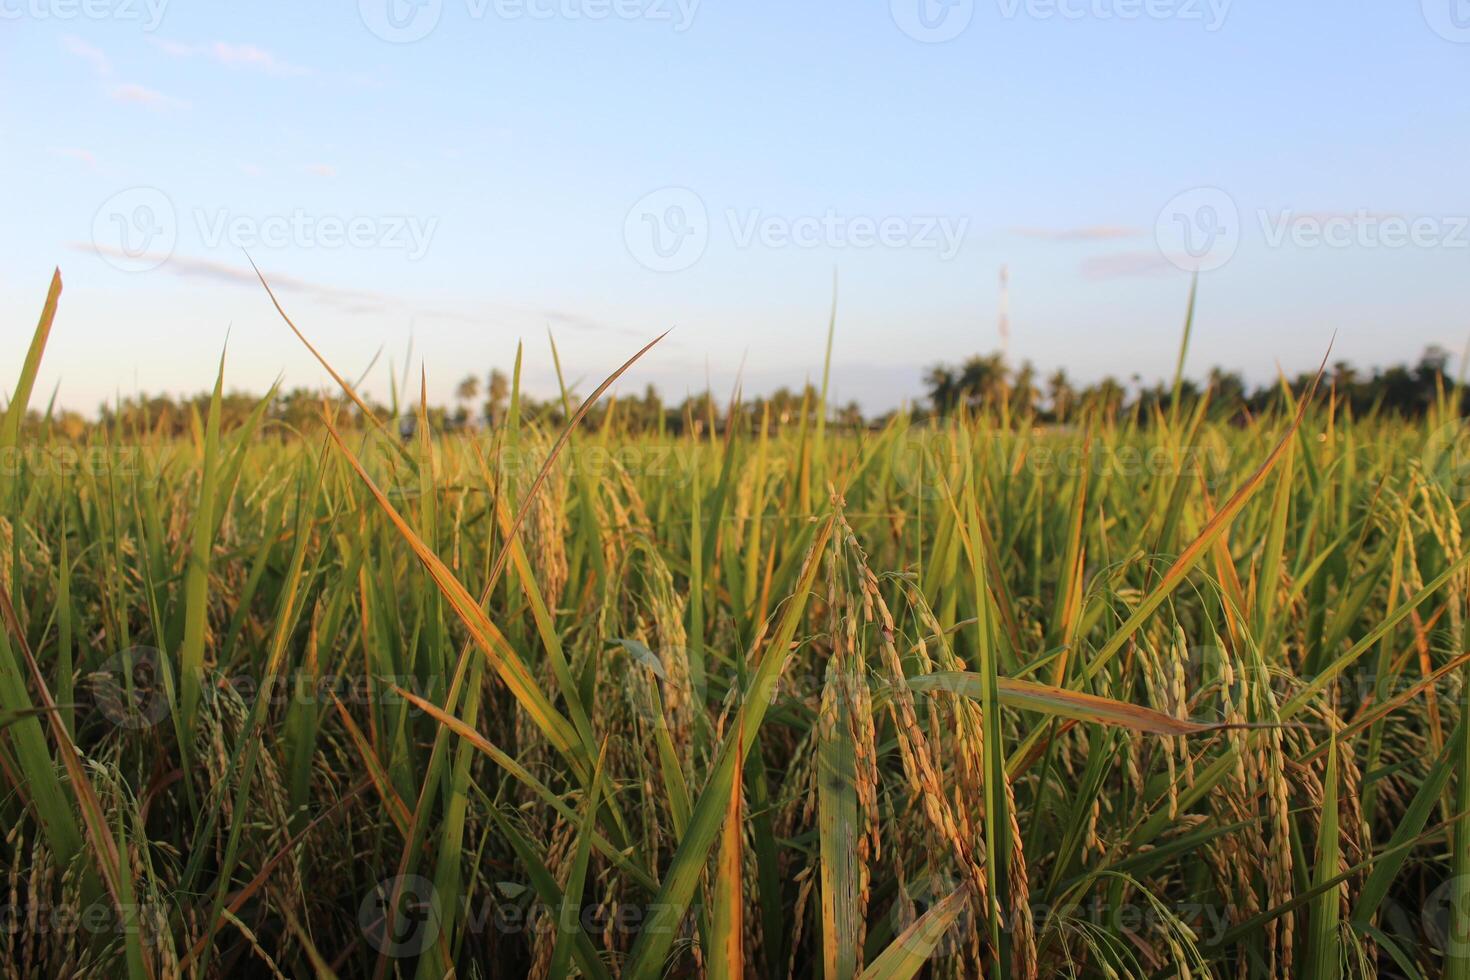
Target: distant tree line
column 476, row 406
column 984, row 382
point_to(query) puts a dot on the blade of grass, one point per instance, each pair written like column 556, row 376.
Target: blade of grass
column 1063, row 703
column 908, row 953
column 838, row 830
column 20, row 398
column 196, row 576
column 646, row 960
column 727, row 925
column 1192, row 554
column 1324, row 961
column 569, row 923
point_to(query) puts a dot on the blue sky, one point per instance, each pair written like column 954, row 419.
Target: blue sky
column 611, row 168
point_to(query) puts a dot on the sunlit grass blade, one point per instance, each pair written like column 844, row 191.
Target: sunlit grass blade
column 1192, row 554
column 520, row 773
column 838, row 829
column 727, row 931
column 1063, row 703
column 1324, row 954
column 911, row 949
column 646, row 960
column 550, row 894
column 196, row 575
column 20, row 397
column 1457, row 887
column 506, row 662
column 569, row 922
column 106, row 854
column 998, row 839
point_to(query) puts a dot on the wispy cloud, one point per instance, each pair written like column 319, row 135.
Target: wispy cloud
column 238, row 56
column 1125, row 265
column 76, row 47
column 1289, row 215
column 579, row 321
column 1086, row 233
column 322, row 170
column 345, row 299
column 130, row 92
column 348, row 300
column 144, row 96
column 85, row 156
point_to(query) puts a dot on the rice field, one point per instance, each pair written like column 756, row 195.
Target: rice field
column 1153, row 696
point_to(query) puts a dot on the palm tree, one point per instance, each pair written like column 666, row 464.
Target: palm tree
column 1061, row 394
column 850, row 416
column 498, row 393
column 944, row 390
column 465, row 393
column 1109, row 396
column 650, row 410
column 1227, row 389
column 1023, row 390
column 983, row 378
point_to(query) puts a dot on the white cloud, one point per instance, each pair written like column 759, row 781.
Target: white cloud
column 322, row 170
column 85, row 156
column 246, row 56
column 118, row 91
column 93, row 56
column 346, row 299
column 174, row 48
column 1086, row 233
column 142, row 95
column 1121, row 265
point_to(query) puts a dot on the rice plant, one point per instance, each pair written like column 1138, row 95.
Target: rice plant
column 1151, row 695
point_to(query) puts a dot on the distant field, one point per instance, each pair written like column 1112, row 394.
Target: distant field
column 1139, row 696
